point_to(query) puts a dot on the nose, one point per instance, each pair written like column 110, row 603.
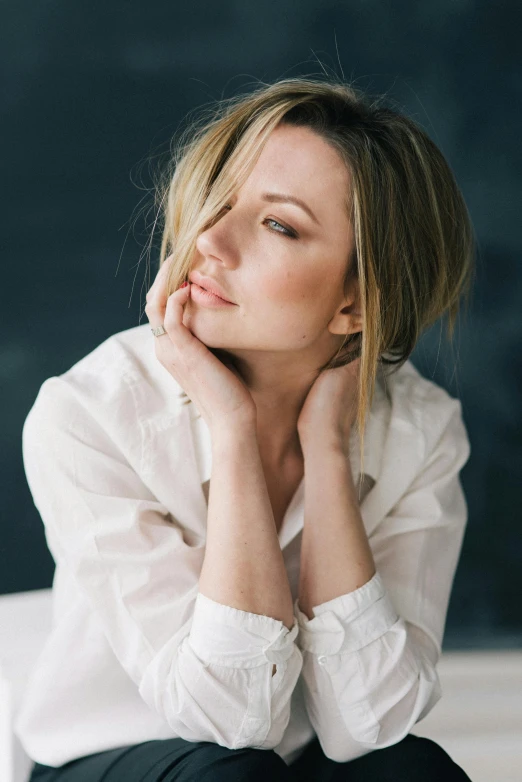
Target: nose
column 217, row 242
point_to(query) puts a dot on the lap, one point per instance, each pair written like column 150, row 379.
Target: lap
column 169, row 760
column 414, row 759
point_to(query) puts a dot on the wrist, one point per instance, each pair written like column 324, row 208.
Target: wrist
column 323, row 443
column 325, row 460
column 233, row 430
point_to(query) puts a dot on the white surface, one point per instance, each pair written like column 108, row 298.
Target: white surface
column 25, row 621
column 478, row 721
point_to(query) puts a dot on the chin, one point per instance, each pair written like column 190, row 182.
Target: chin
column 202, row 333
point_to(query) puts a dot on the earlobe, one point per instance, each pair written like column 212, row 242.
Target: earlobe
column 348, row 318
column 356, row 322
column 355, row 326
column 345, row 325
column 347, row 321
column 352, row 307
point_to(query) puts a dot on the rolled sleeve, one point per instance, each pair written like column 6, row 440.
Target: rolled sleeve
column 333, row 638
column 229, row 654
column 348, row 622
column 234, row 638
column 370, row 656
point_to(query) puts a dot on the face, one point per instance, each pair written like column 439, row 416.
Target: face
column 281, row 267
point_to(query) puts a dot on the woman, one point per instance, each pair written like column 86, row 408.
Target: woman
column 286, row 619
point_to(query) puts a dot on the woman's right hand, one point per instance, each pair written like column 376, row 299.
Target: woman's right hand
column 218, row 391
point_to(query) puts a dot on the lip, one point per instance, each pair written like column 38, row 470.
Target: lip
column 209, row 286
column 207, row 299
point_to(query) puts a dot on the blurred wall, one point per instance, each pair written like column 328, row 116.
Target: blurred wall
column 89, row 90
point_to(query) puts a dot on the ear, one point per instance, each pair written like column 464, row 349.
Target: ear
column 348, row 318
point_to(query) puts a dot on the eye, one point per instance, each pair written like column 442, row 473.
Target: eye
column 289, row 232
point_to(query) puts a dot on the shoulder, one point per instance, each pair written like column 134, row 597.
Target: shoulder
column 426, row 410
column 118, row 385
column 128, row 356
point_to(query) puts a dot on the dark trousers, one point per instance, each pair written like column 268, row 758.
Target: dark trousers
column 414, row 759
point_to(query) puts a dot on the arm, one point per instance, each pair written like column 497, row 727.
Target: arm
column 335, row 553
column 244, row 565
column 244, row 612
column 371, row 648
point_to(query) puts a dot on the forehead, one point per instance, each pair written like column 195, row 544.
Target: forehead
column 298, row 161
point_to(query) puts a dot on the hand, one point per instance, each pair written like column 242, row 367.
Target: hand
column 330, row 407
column 217, row 391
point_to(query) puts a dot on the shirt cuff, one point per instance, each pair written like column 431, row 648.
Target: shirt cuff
column 348, row 622
column 228, row 636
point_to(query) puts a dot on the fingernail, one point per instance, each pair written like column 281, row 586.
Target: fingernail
column 184, row 285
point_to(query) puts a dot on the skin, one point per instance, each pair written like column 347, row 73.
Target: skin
column 274, row 409
column 291, row 314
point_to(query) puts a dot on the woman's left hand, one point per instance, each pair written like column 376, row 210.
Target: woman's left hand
column 330, row 408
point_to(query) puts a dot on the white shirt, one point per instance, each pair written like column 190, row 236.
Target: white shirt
column 118, row 467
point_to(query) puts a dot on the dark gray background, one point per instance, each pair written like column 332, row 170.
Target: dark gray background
column 90, row 90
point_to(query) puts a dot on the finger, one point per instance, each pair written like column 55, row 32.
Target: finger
column 172, row 314
column 156, row 308
column 160, row 280
column 190, row 350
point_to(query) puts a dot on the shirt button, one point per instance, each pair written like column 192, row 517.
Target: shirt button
column 321, row 660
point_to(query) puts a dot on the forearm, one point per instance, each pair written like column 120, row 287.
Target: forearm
column 336, row 557
column 243, row 565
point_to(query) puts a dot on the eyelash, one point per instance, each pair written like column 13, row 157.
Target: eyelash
column 288, row 233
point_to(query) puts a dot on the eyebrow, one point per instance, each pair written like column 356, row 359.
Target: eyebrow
column 281, row 198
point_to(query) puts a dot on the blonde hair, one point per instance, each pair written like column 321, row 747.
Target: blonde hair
column 414, row 240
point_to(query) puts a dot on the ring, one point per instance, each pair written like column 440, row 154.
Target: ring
column 158, row 331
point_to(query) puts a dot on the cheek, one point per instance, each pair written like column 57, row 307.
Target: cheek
column 290, row 288
column 293, row 304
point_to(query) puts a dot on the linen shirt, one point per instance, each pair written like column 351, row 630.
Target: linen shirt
column 118, row 462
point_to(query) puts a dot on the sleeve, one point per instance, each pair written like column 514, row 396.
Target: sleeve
column 206, row 668
column 370, row 656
